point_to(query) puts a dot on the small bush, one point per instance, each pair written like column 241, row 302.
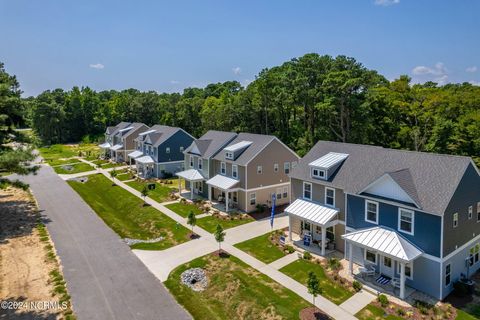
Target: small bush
column 289, row 249
column 401, row 312
column 357, row 286
column 307, row 255
column 383, row 300
column 334, row 263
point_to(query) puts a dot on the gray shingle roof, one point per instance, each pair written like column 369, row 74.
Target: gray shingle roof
column 431, row 179
column 120, row 126
column 212, row 142
column 162, row 133
column 259, row 141
column 134, row 127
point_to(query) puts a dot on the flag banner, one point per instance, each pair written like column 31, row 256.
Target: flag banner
column 273, row 209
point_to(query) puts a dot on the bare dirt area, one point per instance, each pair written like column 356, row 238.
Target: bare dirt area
column 28, row 266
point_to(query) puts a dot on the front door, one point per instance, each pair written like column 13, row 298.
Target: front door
column 387, row 266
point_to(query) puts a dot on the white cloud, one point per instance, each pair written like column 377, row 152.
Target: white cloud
column 438, row 73
column 237, row 70
column 97, row 66
column 386, row 3
column 174, row 82
column 472, row 69
column 475, row 83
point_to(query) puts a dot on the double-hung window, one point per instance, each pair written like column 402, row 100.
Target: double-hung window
column 181, row 149
column 371, row 256
column 259, row 169
column 275, row 167
column 286, row 167
column 447, row 274
column 470, row 212
column 455, row 219
column 223, row 168
column 406, row 220
column 307, row 190
column 253, row 198
column 330, row 197
column 285, row 192
column 371, row 211
column 191, row 161
column 167, row 150
column 234, row 171
column 279, row 193
column 478, row 211
column 200, row 163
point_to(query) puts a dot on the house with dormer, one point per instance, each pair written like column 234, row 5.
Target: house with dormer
column 119, row 140
column 412, row 219
column 249, row 171
column 158, row 151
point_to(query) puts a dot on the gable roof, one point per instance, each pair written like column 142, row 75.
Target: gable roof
column 114, row 130
column 133, row 128
column 259, row 142
column 211, row 143
column 431, row 178
column 158, row 134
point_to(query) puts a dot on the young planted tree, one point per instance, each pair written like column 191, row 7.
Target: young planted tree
column 219, row 236
column 192, row 219
column 113, row 175
column 313, row 286
column 145, row 192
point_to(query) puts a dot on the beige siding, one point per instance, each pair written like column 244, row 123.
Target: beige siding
column 241, row 171
column 275, row 152
column 264, row 196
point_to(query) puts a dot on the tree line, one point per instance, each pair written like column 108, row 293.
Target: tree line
column 310, row 98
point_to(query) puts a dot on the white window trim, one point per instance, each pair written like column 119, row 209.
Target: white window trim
column 275, row 167
column 445, row 275
column 332, row 189
column 411, row 270
column 199, row 163
column 279, row 193
column 470, row 212
column 167, row 150
column 285, row 192
column 286, row 165
column 253, row 196
column 182, row 149
column 455, row 220
column 261, row 170
column 229, row 155
column 191, row 163
column 235, row 169
column 222, row 166
column 311, row 190
column 318, row 176
column 365, row 256
column 413, row 221
column 366, row 207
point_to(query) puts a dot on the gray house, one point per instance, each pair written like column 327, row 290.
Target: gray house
column 411, row 217
column 119, row 140
column 158, row 151
column 198, row 160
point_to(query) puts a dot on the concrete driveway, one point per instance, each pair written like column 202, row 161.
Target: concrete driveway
column 105, row 279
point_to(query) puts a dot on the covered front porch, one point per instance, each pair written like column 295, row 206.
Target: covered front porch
column 132, row 156
column 223, row 190
column 195, row 179
column 105, row 147
column 145, row 167
column 116, row 154
column 311, row 226
column 386, row 259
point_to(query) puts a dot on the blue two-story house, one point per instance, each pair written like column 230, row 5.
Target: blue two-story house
column 159, row 151
column 410, row 218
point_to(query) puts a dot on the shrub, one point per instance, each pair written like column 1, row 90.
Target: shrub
column 334, row 263
column 383, row 300
column 460, row 289
column 289, row 249
column 307, row 255
column 357, row 286
column 401, row 312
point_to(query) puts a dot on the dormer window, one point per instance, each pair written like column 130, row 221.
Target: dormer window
column 229, row 155
column 318, row 173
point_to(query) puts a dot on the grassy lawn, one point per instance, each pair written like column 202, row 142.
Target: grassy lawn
column 112, row 165
column 462, row 315
column 99, row 161
column 261, row 248
column 210, row 223
column 183, row 209
column 58, row 151
column 159, row 194
column 126, row 215
column 235, row 291
column 174, row 183
column 124, row 176
column 371, row 312
column 299, row 270
column 76, row 168
column 58, row 162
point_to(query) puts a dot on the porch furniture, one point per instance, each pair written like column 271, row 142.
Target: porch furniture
column 395, row 283
column 367, row 271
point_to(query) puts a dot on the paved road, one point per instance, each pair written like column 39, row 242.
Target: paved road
column 105, row 279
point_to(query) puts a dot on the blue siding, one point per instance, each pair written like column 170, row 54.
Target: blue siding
column 179, row 139
column 427, row 229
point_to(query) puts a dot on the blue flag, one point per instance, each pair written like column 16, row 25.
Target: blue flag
column 273, row 209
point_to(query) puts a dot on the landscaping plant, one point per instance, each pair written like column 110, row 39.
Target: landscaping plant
column 192, row 219
column 313, row 286
column 113, row 174
column 219, row 236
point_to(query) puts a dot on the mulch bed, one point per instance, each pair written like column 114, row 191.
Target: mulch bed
column 313, row 313
column 267, row 212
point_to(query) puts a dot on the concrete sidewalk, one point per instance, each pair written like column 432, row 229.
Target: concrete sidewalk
column 358, row 301
column 282, row 262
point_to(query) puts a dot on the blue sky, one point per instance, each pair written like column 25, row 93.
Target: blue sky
column 170, row 45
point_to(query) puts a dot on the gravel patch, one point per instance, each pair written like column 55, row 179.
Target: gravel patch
column 131, row 242
column 195, row 279
column 79, row 179
column 67, row 167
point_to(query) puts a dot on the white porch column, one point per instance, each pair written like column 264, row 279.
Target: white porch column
column 209, row 193
column 290, row 227
column 226, row 201
column 402, row 280
column 179, row 186
column 324, row 237
column 191, row 190
column 350, row 258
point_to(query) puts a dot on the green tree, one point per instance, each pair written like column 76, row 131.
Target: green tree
column 313, row 286
column 219, row 235
column 191, row 219
column 145, row 193
column 113, row 175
